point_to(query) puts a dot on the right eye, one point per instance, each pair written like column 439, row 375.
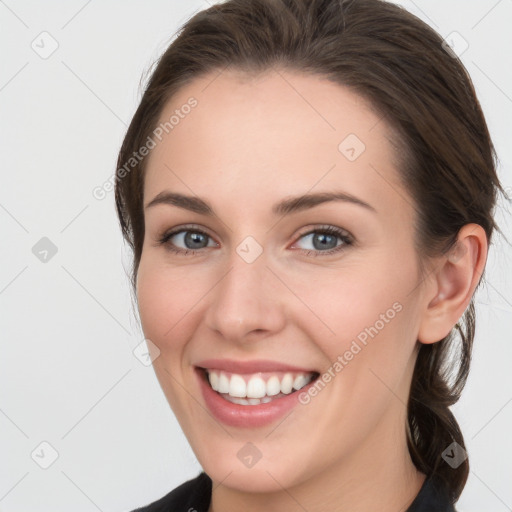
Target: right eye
column 190, row 238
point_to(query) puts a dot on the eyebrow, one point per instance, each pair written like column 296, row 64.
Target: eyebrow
column 284, row 207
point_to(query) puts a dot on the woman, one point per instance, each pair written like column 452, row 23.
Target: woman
column 308, row 189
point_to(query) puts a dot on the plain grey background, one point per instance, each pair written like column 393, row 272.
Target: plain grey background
column 74, row 395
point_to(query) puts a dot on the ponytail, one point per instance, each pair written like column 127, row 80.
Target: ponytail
column 432, row 427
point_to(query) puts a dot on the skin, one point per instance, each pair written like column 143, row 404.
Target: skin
column 249, row 143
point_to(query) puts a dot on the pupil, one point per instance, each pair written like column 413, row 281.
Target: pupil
column 324, row 240
column 194, row 238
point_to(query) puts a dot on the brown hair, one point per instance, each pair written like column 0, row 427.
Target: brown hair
column 446, row 157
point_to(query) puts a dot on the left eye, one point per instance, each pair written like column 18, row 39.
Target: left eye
column 325, row 240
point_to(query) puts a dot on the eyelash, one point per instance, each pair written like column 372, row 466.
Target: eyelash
column 326, row 230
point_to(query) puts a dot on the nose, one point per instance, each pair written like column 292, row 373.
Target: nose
column 246, row 303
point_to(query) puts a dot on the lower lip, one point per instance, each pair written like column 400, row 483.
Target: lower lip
column 247, row 416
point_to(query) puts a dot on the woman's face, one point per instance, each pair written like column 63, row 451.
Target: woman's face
column 260, row 290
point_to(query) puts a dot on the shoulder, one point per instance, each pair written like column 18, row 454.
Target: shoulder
column 433, row 497
column 191, row 496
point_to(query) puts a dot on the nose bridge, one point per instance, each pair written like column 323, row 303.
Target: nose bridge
column 245, row 299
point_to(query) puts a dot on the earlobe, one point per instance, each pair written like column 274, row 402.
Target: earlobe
column 454, row 282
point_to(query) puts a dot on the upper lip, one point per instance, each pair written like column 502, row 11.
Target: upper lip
column 254, row 366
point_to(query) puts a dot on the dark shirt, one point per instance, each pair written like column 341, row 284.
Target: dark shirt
column 195, row 496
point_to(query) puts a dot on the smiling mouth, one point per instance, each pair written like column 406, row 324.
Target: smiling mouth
column 256, row 388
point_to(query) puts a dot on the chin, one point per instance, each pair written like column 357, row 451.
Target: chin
column 261, row 478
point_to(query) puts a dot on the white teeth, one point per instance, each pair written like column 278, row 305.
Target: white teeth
column 237, row 386
column 223, row 383
column 300, row 381
column 235, row 400
column 273, row 386
column 214, row 380
column 250, row 392
column 287, row 384
column 256, row 387
column 248, row 401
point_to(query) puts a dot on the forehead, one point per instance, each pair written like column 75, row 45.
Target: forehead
column 275, row 134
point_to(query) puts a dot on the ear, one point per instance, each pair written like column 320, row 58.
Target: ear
column 453, row 283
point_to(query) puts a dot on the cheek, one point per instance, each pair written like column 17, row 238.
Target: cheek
column 166, row 298
column 343, row 302
column 365, row 314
